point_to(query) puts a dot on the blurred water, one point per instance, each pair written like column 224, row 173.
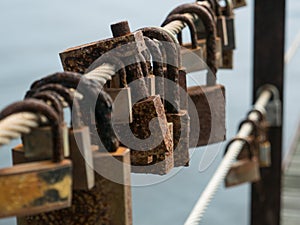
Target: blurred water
column 34, row 32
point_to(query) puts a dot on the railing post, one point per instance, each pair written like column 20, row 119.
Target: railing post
column 269, row 37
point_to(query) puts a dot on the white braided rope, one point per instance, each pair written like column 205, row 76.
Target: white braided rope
column 176, row 26
column 220, row 174
column 15, row 125
column 102, row 73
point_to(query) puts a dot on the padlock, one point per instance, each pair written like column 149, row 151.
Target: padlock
column 191, row 53
column 118, row 91
column 79, row 139
column 179, row 118
column 244, row 170
column 239, row 3
column 209, row 100
column 264, row 144
column 37, row 143
column 31, row 188
column 228, row 49
column 90, row 89
column 112, row 174
column 200, row 10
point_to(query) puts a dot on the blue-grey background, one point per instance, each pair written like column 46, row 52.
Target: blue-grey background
column 32, row 33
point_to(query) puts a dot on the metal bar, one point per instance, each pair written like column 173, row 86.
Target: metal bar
column 269, row 28
column 206, row 197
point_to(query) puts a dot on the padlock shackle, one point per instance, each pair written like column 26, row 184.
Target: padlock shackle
column 229, row 7
column 212, row 11
column 173, row 61
column 37, row 106
column 245, row 140
column 261, row 113
column 111, row 59
column 94, row 94
column 190, row 24
column 53, row 98
column 69, row 97
column 210, row 28
column 143, row 62
column 157, row 58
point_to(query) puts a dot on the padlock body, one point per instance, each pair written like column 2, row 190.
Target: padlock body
column 111, row 194
column 192, row 59
column 230, row 26
column 81, row 156
column 209, row 102
column 265, row 154
column 122, row 105
column 243, row 171
column 32, row 188
column 38, row 144
column 181, row 132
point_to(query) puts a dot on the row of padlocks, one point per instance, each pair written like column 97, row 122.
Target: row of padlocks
column 61, row 174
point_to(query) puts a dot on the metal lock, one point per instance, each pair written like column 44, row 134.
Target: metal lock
column 112, row 171
column 230, row 46
column 148, row 112
column 263, row 143
column 191, row 53
column 245, row 169
column 43, row 186
column 39, row 140
column 239, row 3
column 117, row 89
column 79, row 139
column 209, row 100
column 175, row 115
column 199, row 10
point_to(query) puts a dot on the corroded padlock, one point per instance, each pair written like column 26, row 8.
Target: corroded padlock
column 209, row 99
column 37, row 187
column 37, row 143
column 179, row 118
column 230, row 46
column 79, row 139
column 245, row 169
column 239, row 3
column 147, row 110
column 111, row 164
column 264, row 144
column 191, row 53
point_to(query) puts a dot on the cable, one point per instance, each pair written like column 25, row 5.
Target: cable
column 220, row 174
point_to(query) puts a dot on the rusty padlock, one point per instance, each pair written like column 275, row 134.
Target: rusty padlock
column 199, row 10
column 79, row 139
column 112, row 172
column 38, row 141
column 117, row 88
column 209, row 99
column 228, row 49
column 179, row 118
column 264, row 145
column 245, row 169
column 37, row 187
column 191, row 53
